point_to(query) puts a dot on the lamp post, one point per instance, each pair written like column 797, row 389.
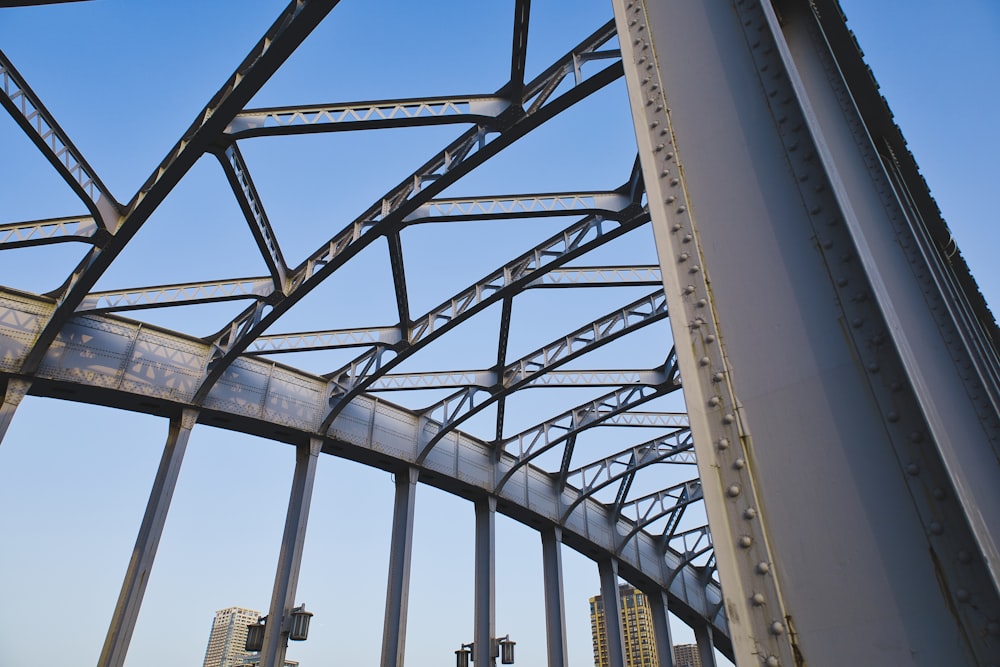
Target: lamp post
column 503, row 648
column 298, row 629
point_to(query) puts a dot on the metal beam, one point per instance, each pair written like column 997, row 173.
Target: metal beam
column 485, row 581
column 292, row 26
column 238, row 174
column 476, row 109
column 126, row 612
column 36, row 121
column 471, row 149
column 607, row 569
column 555, row 603
column 866, row 389
column 14, row 391
column 43, row 232
column 179, row 294
column 657, row 601
column 397, row 593
column 286, row 577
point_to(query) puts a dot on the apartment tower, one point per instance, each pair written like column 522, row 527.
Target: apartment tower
column 637, row 629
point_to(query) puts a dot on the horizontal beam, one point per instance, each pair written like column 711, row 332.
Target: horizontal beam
column 366, row 115
column 44, row 232
column 177, row 295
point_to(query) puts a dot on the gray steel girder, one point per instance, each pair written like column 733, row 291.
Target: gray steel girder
column 117, row 362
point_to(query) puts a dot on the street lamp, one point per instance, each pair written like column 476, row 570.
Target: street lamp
column 298, row 628
column 503, row 648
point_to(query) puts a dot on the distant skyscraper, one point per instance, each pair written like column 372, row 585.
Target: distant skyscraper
column 686, row 655
column 227, row 642
column 637, row 626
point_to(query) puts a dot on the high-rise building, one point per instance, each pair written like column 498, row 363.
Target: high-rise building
column 227, row 641
column 637, row 629
column 686, row 655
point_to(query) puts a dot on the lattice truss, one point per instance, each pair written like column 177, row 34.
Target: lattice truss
column 577, row 383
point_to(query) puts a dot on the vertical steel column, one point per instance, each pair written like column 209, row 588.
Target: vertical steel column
column 485, row 616
column 286, row 578
column 819, row 386
column 658, row 607
column 607, row 569
column 146, row 542
column 13, row 393
column 397, row 593
column 706, row 647
column 555, row 604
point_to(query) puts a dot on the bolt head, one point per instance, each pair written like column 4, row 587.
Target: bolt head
column 757, row 599
column 746, row 541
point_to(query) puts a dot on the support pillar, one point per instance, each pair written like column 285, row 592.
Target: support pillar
column 485, row 616
column 137, row 575
column 555, row 604
column 847, row 452
column 286, row 578
column 13, row 393
column 706, row 648
column 398, row 588
column 658, row 607
column 608, row 571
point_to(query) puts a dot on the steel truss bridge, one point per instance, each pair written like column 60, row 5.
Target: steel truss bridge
column 841, row 405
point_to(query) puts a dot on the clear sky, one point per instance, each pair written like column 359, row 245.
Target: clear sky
column 124, row 79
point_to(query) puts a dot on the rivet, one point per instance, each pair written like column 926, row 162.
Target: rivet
column 763, row 567
column 749, row 513
column 873, row 367
column 913, row 470
column 701, row 303
column 892, row 416
column 683, row 257
column 710, row 338
column 669, row 156
column 715, row 401
column 733, row 491
column 916, row 436
column 664, row 173
column 689, row 289
column 718, row 377
column 674, row 181
column 694, row 268
column 659, row 147
column 745, row 541
column 772, row 661
column 642, row 60
column 676, row 227
column 935, row 528
column 896, row 386
column 857, row 322
column 964, row 557
column 728, row 419
column 877, row 339
column 723, row 443
column 687, row 238
column 842, row 282
column 654, row 124
column 827, row 244
column 938, row 493
column 757, row 599
column 777, row 628
column 739, row 464
column 681, row 209
column 649, row 102
column 962, row 595
column 664, row 132
column 704, row 361
column 671, row 199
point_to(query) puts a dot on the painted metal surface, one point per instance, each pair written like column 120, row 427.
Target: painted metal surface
column 841, row 404
column 819, row 432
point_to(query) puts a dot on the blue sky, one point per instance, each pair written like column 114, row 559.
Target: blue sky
column 124, row 80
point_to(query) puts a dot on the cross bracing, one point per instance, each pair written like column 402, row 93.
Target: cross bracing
column 346, row 349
